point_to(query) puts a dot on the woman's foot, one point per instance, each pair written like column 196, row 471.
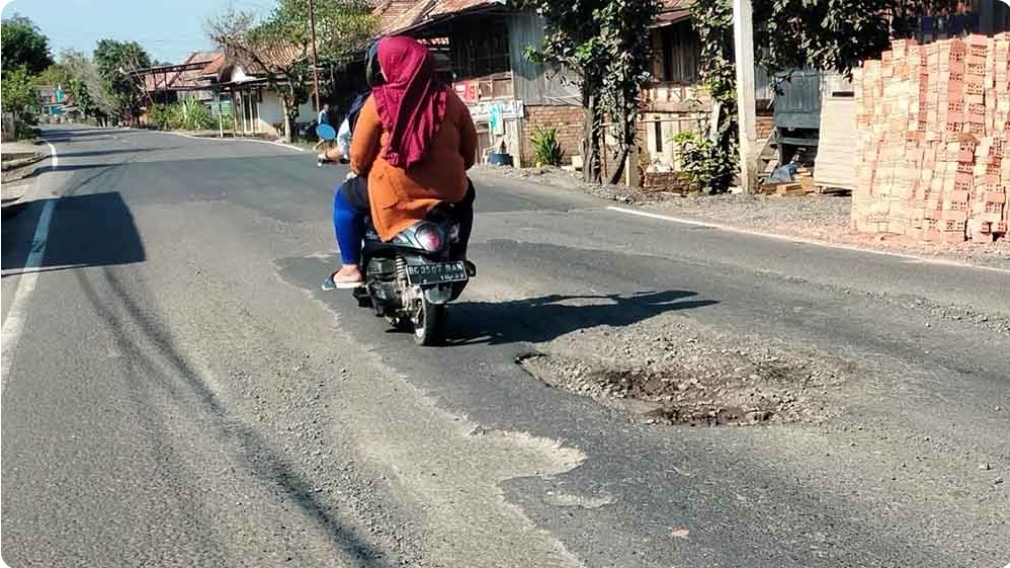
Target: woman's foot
column 347, row 278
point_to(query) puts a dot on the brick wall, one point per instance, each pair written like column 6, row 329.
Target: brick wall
column 765, row 125
column 567, row 120
column 665, row 182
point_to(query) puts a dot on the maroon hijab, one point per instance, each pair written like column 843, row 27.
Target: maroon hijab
column 411, row 104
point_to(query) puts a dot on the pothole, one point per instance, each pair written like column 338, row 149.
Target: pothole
column 680, row 395
column 676, row 372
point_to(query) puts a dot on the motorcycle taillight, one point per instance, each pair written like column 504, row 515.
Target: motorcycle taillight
column 430, row 237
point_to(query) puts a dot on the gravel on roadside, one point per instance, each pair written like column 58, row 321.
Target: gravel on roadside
column 823, row 218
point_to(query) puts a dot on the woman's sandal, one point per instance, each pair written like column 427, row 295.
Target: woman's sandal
column 331, row 283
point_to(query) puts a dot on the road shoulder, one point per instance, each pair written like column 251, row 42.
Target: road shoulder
column 813, row 220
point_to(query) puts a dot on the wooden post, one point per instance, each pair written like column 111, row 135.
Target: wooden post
column 743, row 34
column 315, row 68
column 632, row 168
column 220, row 119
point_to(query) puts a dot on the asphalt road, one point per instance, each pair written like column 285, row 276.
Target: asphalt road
column 182, row 393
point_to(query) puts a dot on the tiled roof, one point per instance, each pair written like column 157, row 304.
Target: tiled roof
column 189, row 78
column 408, row 14
column 390, row 11
column 215, row 66
column 672, row 11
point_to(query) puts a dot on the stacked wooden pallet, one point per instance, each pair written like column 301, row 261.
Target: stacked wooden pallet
column 933, row 126
column 802, row 184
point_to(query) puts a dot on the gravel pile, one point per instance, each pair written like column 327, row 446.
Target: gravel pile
column 671, row 370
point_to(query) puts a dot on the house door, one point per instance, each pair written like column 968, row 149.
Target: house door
column 248, row 106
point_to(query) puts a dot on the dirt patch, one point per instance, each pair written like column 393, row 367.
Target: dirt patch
column 674, row 371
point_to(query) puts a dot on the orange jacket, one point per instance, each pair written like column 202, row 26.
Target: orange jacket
column 400, row 198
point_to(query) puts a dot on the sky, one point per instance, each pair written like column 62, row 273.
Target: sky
column 168, row 29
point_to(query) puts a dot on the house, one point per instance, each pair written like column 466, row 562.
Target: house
column 510, row 97
column 483, row 43
column 676, row 101
column 168, row 84
column 52, row 100
column 248, row 87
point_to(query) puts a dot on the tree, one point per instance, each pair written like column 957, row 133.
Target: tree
column 23, row 46
column 87, row 87
column 116, row 61
column 82, row 98
column 601, row 44
column 278, row 46
column 713, row 165
column 19, row 94
column 55, row 75
column 834, row 35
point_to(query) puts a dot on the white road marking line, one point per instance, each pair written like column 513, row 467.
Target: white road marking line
column 271, row 142
column 22, row 271
column 805, row 241
column 52, row 153
column 12, row 327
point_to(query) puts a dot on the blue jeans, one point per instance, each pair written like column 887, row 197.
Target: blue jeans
column 348, row 224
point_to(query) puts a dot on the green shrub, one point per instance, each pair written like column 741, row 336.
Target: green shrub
column 25, row 129
column 706, row 166
column 159, row 116
column 184, row 115
column 200, row 117
column 546, row 149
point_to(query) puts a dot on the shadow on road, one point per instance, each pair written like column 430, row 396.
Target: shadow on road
column 113, row 151
column 162, row 368
column 86, row 230
column 542, row 319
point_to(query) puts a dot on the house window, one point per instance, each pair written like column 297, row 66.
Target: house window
column 680, row 54
column 479, row 48
column 658, row 131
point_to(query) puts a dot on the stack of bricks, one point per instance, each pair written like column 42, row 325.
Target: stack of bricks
column 934, row 160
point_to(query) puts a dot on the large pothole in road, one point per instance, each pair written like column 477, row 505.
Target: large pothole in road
column 670, row 370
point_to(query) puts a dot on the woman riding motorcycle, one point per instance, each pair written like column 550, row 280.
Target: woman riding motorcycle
column 414, row 140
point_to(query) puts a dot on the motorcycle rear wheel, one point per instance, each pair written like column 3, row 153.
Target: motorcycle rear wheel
column 429, row 324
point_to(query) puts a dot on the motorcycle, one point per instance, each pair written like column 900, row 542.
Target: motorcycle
column 411, row 279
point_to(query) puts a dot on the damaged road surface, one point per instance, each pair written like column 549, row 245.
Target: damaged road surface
column 615, row 391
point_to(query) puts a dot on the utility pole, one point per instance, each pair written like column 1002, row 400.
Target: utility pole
column 743, row 36
column 312, row 34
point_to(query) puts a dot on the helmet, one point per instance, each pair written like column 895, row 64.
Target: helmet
column 373, row 72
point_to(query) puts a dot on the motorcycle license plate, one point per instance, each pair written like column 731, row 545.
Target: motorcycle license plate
column 441, row 273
